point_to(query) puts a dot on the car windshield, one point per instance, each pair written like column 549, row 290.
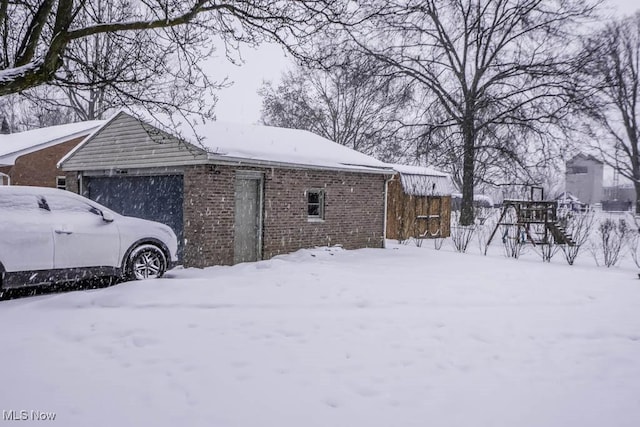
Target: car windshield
column 18, row 202
column 64, row 203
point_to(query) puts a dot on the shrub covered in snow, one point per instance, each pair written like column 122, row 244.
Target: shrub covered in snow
column 609, row 241
column 579, row 226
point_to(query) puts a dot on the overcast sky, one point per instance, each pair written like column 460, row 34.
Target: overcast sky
column 240, row 103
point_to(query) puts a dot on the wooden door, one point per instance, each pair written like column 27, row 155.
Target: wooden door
column 248, row 218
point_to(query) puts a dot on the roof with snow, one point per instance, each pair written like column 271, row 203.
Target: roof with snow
column 14, row 145
column 423, row 181
column 126, row 141
column 226, row 141
column 583, row 156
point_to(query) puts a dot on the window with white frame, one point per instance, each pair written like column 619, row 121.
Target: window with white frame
column 61, row 182
column 315, row 204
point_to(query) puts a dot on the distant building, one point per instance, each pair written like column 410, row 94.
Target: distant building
column 619, row 197
column 584, row 177
column 569, row 202
column 623, row 192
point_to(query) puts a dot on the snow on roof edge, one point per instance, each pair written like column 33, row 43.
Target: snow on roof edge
column 280, row 146
column 42, row 144
column 226, row 159
column 265, row 146
column 417, row 170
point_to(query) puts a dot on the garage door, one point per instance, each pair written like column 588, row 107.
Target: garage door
column 157, row 198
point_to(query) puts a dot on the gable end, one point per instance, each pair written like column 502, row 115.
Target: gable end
column 125, row 142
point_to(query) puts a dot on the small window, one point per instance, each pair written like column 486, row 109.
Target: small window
column 315, row 204
column 579, row 169
column 61, row 182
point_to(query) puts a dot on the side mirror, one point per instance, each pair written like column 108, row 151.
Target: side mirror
column 107, row 216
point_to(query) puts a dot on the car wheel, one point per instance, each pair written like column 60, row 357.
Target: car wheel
column 146, row 262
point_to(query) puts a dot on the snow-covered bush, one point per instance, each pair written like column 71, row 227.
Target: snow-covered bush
column 609, row 241
column 634, row 240
column 579, row 227
column 634, row 245
column 484, row 227
column 402, row 239
column 548, row 250
column 460, row 234
column 437, row 243
column 513, row 239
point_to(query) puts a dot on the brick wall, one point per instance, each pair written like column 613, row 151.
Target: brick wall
column 354, row 212
column 39, row 168
column 208, row 216
column 72, row 182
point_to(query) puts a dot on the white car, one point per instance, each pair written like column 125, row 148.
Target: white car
column 51, row 236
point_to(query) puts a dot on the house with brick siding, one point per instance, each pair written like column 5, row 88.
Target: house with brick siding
column 31, row 157
column 235, row 193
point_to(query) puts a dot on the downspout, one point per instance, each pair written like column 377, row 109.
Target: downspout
column 386, row 204
column 4, row 175
column 80, row 183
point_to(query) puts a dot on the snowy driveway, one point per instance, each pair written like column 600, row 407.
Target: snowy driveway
column 397, row 337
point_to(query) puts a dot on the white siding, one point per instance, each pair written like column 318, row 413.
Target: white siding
column 124, row 142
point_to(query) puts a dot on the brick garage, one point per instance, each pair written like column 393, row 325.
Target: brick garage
column 354, row 212
column 296, row 204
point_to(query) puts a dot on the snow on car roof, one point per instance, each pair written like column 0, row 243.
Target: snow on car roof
column 24, row 189
column 46, row 192
column 280, row 145
column 14, row 145
column 36, row 191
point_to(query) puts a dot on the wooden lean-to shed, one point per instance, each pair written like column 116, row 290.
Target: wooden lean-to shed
column 418, row 203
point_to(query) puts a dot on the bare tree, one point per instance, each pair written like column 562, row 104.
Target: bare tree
column 610, row 93
column 145, row 52
column 108, row 71
column 23, row 113
column 353, row 104
column 492, row 70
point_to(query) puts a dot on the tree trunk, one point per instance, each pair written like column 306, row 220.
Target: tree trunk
column 636, row 186
column 634, row 160
column 468, row 172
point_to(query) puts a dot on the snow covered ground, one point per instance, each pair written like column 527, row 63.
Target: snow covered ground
column 404, row 336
